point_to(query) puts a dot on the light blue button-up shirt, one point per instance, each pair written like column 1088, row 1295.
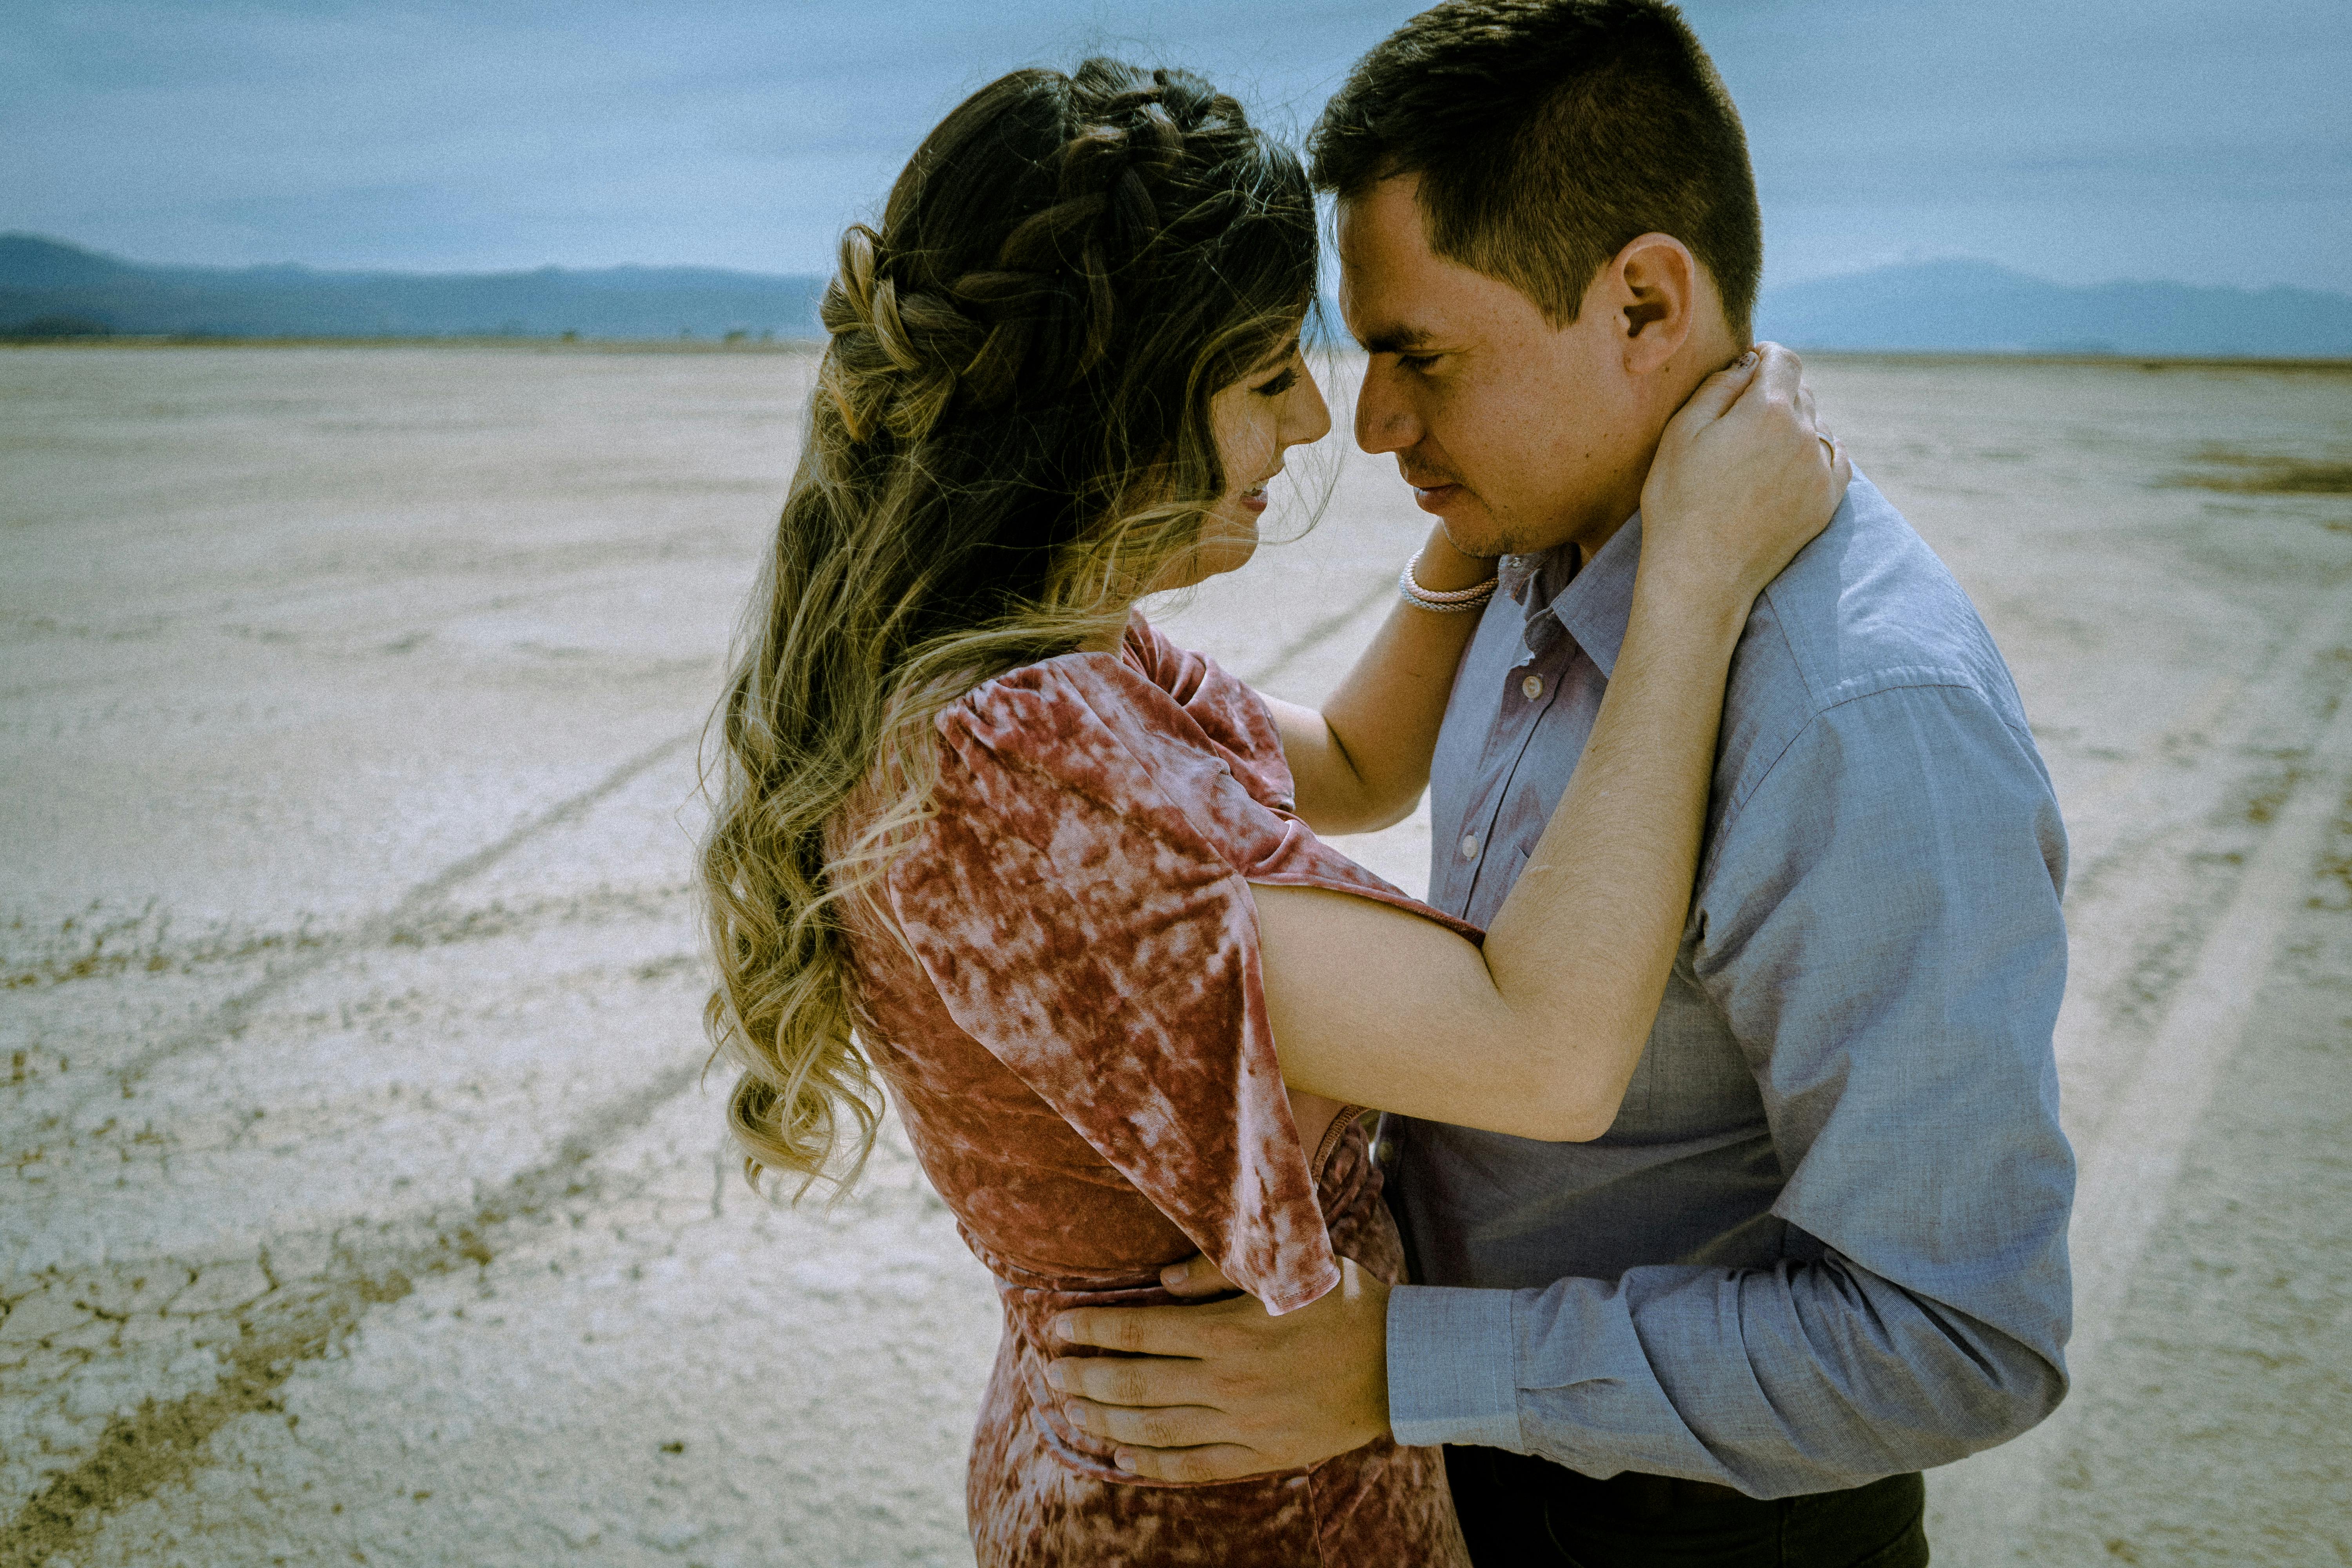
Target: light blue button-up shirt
column 1826, row 1240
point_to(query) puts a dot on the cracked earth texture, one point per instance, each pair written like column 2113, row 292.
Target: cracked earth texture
column 361, row 1200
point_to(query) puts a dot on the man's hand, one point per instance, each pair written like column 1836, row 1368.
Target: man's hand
column 1224, row 1389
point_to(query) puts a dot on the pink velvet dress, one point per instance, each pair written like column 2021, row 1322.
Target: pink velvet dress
column 1075, row 1034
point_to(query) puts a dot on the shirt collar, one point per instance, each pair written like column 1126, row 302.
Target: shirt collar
column 1592, row 605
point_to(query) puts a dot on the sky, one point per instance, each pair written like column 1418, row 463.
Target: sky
column 2077, row 140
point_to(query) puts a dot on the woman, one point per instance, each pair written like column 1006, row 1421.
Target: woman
column 1056, row 875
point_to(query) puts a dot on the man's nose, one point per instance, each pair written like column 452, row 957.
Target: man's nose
column 1384, row 421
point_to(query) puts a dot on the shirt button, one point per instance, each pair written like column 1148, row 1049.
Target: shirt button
column 1532, row 686
column 1469, row 847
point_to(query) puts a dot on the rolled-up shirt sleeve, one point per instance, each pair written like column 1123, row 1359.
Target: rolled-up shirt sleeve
column 1879, row 924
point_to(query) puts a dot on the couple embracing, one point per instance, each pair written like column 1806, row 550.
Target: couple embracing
column 1718, row 1187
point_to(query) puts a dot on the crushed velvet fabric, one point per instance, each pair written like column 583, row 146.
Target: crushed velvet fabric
column 1070, row 1018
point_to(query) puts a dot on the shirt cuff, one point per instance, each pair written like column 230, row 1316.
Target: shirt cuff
column 1451, row 1374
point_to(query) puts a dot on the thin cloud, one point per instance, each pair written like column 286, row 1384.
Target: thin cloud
column 2120, row 138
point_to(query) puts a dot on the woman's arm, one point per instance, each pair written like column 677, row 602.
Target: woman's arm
column 1362, row 760
column 1537, row 1033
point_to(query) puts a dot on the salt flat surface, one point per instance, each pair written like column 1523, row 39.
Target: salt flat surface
column 361, row 1202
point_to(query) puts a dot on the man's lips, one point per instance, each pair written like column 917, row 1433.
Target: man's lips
column 1431, row 493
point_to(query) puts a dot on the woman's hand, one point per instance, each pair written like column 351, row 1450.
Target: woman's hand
column 1362, row 760
column 1744, row 479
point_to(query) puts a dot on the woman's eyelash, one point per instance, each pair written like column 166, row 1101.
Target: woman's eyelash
column 1279, row 384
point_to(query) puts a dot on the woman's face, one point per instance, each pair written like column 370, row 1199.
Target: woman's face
column 1258, row 418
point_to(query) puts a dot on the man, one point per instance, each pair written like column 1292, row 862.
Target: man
column 1824, row 1247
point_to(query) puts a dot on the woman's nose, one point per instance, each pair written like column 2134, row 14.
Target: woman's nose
column 1309, row 419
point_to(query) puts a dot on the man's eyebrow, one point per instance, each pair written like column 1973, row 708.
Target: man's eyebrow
column 1396, row 339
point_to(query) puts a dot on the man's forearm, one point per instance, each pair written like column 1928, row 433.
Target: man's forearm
column 1805, row 1378
column 1884, row 943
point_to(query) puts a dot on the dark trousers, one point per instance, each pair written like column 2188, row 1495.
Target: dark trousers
column 1523, row 1512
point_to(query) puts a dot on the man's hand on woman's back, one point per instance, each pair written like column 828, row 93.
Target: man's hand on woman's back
column 1221, row 1390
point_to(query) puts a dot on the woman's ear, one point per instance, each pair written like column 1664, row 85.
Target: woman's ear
column 1655, row 290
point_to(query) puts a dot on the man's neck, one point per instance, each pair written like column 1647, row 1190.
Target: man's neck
column 1712, row 350
column 1588, row 542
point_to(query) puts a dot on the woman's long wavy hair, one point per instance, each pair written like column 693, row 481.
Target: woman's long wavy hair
column 1009, row 436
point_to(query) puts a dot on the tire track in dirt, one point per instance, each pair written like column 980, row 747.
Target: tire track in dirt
column 2224, row 717
column 414, row 908
column 302, row 1321
column 2128, row 1173
column 229, row 1016
column 355, row 630
column 2159, row 845
column 2125, row 1184
column 164, row 1441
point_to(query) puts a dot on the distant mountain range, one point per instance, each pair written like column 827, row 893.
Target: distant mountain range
column 52, row 290
column 1977, row 306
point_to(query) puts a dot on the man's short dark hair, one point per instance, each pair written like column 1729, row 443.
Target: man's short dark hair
column 1547, row 134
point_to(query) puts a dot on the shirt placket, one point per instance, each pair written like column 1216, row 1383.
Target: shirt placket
column 1529, row 689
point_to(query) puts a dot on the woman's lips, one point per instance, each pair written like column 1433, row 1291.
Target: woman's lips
column 1254, row 500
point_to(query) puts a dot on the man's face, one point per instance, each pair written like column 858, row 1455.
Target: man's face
column 1520, row 434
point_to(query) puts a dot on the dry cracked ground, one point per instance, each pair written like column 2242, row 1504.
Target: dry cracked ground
column 361, row 1200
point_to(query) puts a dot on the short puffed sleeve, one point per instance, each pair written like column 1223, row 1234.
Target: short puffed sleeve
column 1081, row 903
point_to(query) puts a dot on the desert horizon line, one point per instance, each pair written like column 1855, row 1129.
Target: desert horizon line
column 52, row 288
column 789, row 275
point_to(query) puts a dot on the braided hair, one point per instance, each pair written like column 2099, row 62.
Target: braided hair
column 1010, row 434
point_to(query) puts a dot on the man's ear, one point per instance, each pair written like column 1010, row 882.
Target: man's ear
column 1654, row 288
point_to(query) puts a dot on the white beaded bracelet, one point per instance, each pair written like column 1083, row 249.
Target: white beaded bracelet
column 1444, row 602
